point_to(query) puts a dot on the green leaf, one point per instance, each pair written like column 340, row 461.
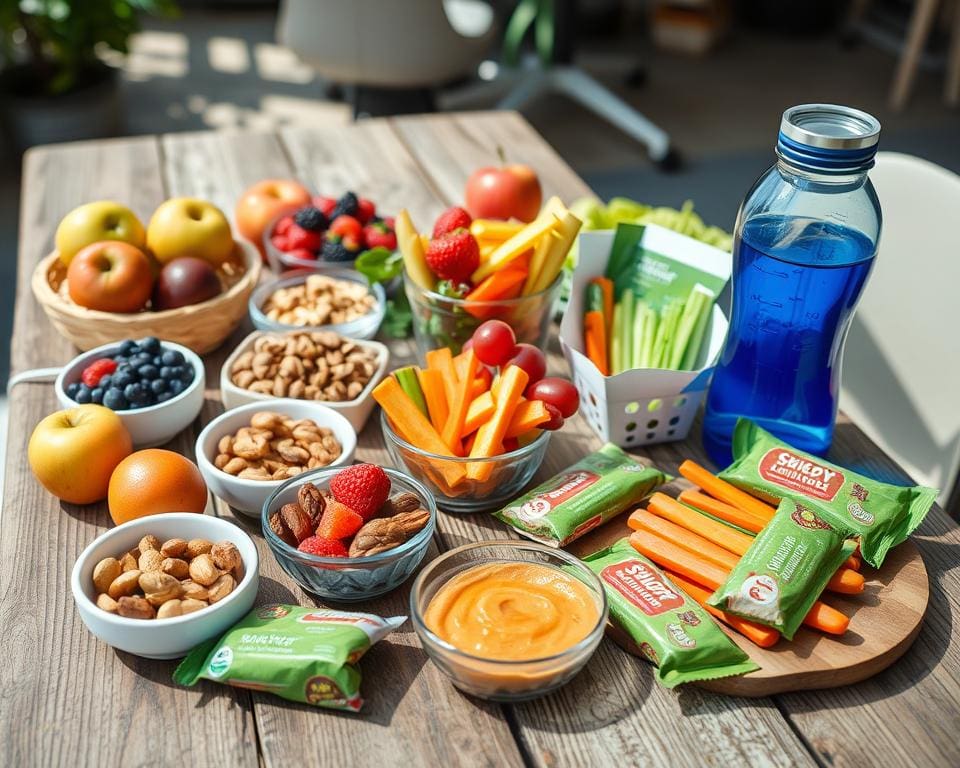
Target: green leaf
column 379, row 265
column 396, row 321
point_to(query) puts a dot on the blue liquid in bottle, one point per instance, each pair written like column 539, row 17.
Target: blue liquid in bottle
column 800, row 279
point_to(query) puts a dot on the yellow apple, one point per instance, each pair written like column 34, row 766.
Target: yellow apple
column 94, row 222
column 186, row 226
column 73, row 452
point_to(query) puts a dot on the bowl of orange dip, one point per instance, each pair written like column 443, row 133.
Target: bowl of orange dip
column 508, row 621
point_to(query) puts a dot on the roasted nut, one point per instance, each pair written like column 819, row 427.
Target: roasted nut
column 297, row 521
column 173, row 547
column 255, row 473
column 193, row 591
column 105, row 572
column 135, row 608
column 197, row 547
column 159, row 587
column 170, row 609
column 148, row 542
column 189, row 605
column 128, row 562
column 377, row 535
column 125, row 584
column 222, row 587
column 226, row 556
column 151, row 560
column 402, row 502
column 175, row 567
column 233, row 465
column 203, row 570
column 106, row 603
column 311, row 501
column 280, row 528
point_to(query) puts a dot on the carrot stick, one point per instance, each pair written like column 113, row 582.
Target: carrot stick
column 442, row 360
column 683, row 538
column 606, row 285
column 700, row 571
column 595, row 340
column 846, row 581
column 528, row 414
column 460, row 403
column 490, row 436
column 431, row 382
column 722, row 510
column 721, row 489
column 758, row 634
column 480, row 410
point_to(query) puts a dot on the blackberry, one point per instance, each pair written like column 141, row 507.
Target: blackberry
column 348, row 205
column 334, row 250
column 311, row 219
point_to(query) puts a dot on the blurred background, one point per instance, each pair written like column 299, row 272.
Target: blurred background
column 658, row 100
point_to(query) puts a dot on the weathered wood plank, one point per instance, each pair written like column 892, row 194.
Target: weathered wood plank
column 66, row 697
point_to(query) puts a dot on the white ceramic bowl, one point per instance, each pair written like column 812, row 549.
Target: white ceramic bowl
column 155, row 424
column 356, row 411
column 248, row 496
column 164, row 638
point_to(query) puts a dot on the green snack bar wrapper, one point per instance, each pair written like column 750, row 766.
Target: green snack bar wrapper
column 785, row 570
column 678, row 636
column 598, row 487
column 881, row 514
column 301, row 654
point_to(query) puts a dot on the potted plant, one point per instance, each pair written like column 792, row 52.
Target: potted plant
column 54, row 86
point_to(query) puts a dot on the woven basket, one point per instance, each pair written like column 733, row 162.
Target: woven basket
column 202, row 327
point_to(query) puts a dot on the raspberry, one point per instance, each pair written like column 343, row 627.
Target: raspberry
column 298, row 237
column 311, row 219
column 338, row 522
column 454, row 256
column 316, row 545
column 97, row 370
column 362, row 487
column 451, row 220
column 366, row 210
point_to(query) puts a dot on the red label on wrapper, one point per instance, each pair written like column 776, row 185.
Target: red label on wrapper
column 799, row 474
column 643, row 586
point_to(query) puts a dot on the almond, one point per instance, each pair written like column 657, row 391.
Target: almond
column 149, row 542
column 105, row 572
column 189, row 605
column 203, row 570
column 170, row 609
column 176, row 567
column 150, row 560
column 125, row 584
column 135, row 608
column 197, row 547
column 173, row 547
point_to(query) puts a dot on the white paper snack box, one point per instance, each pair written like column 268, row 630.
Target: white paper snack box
column 641, row 406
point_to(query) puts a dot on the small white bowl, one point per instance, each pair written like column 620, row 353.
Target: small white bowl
column 356, row 411
column 249, row 496
column 154, row 424
column 164, row 638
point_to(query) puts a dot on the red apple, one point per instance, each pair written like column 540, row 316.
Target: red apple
column 510, row 192
column 110, row 276
column 185, row 281
column 265, row 201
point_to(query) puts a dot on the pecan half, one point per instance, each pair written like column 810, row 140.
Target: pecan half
column 378, row 535
column 402, row 502
column 311, row 501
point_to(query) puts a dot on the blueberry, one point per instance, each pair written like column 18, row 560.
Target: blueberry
column 177, row 386
column 144, row 358
column 124, row 377
column 166, row 373
column 129, row 347
column 148, row 398
column 164, row 396
column 120, row 359
column 157, row 386
column 148, row 372
column 104, row 382
column 150, row 344
column 157, row 360
column 113, row 398
column 96, row 395
column 72, row 389
column 134, row 394
column 187, row 376
column 176, row 371
column 83, row 394
column 172, row 357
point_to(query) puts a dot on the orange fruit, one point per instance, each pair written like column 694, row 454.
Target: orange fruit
column 154, row 481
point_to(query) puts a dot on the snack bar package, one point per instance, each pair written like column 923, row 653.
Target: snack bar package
column 301, row 654
column 581, row 497
column 785, row 569
column 678, row 636
column 881, row 514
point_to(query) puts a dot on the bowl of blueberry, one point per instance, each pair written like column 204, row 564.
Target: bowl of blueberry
column 156, row 387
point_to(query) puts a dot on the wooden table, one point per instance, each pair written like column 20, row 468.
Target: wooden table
column 66, row 698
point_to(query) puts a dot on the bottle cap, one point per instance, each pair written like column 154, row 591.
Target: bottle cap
column 828, row 137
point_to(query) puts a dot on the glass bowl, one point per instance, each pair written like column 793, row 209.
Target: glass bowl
column 364, row 327
column 349, row 579
column 441, row 321
column 511, row 472
column 504, row 680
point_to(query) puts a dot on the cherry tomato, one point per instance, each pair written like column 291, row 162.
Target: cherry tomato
column 556, row 418
column 559, row 393
column 510, row 444
column 494, row 342
column 530, row 359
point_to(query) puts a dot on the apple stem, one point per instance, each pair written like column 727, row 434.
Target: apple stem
column 502, row 155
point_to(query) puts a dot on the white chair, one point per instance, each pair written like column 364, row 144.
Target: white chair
column 901, row 368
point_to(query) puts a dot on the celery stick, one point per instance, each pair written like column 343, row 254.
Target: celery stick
column 668, row 324
column 641, row 316
column 615, row 339
column 410, row 383
column 692, row 310
column 692, row 352
column 649, row 334
column 626, row 333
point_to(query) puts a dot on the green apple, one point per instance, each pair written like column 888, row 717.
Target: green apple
column 186, row 226
column 95, row 222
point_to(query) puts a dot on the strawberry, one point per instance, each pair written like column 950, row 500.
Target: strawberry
column 451, row 220
column 282, row 225
column 325, row 204
column 97, row 370
column 338, row 522
column 298, row 237
column 317, row 545
column 362, row 487
column 346, row 226
column 366, row 210
column 280, row 242
column 379, row 235
column 303, row 254
column 454, row 256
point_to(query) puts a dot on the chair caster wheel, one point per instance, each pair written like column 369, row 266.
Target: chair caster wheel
column 670, row 162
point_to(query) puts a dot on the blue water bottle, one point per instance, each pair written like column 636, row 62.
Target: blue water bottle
column 804, row 244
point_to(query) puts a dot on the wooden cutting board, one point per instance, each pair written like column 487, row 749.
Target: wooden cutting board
column 884, row 621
